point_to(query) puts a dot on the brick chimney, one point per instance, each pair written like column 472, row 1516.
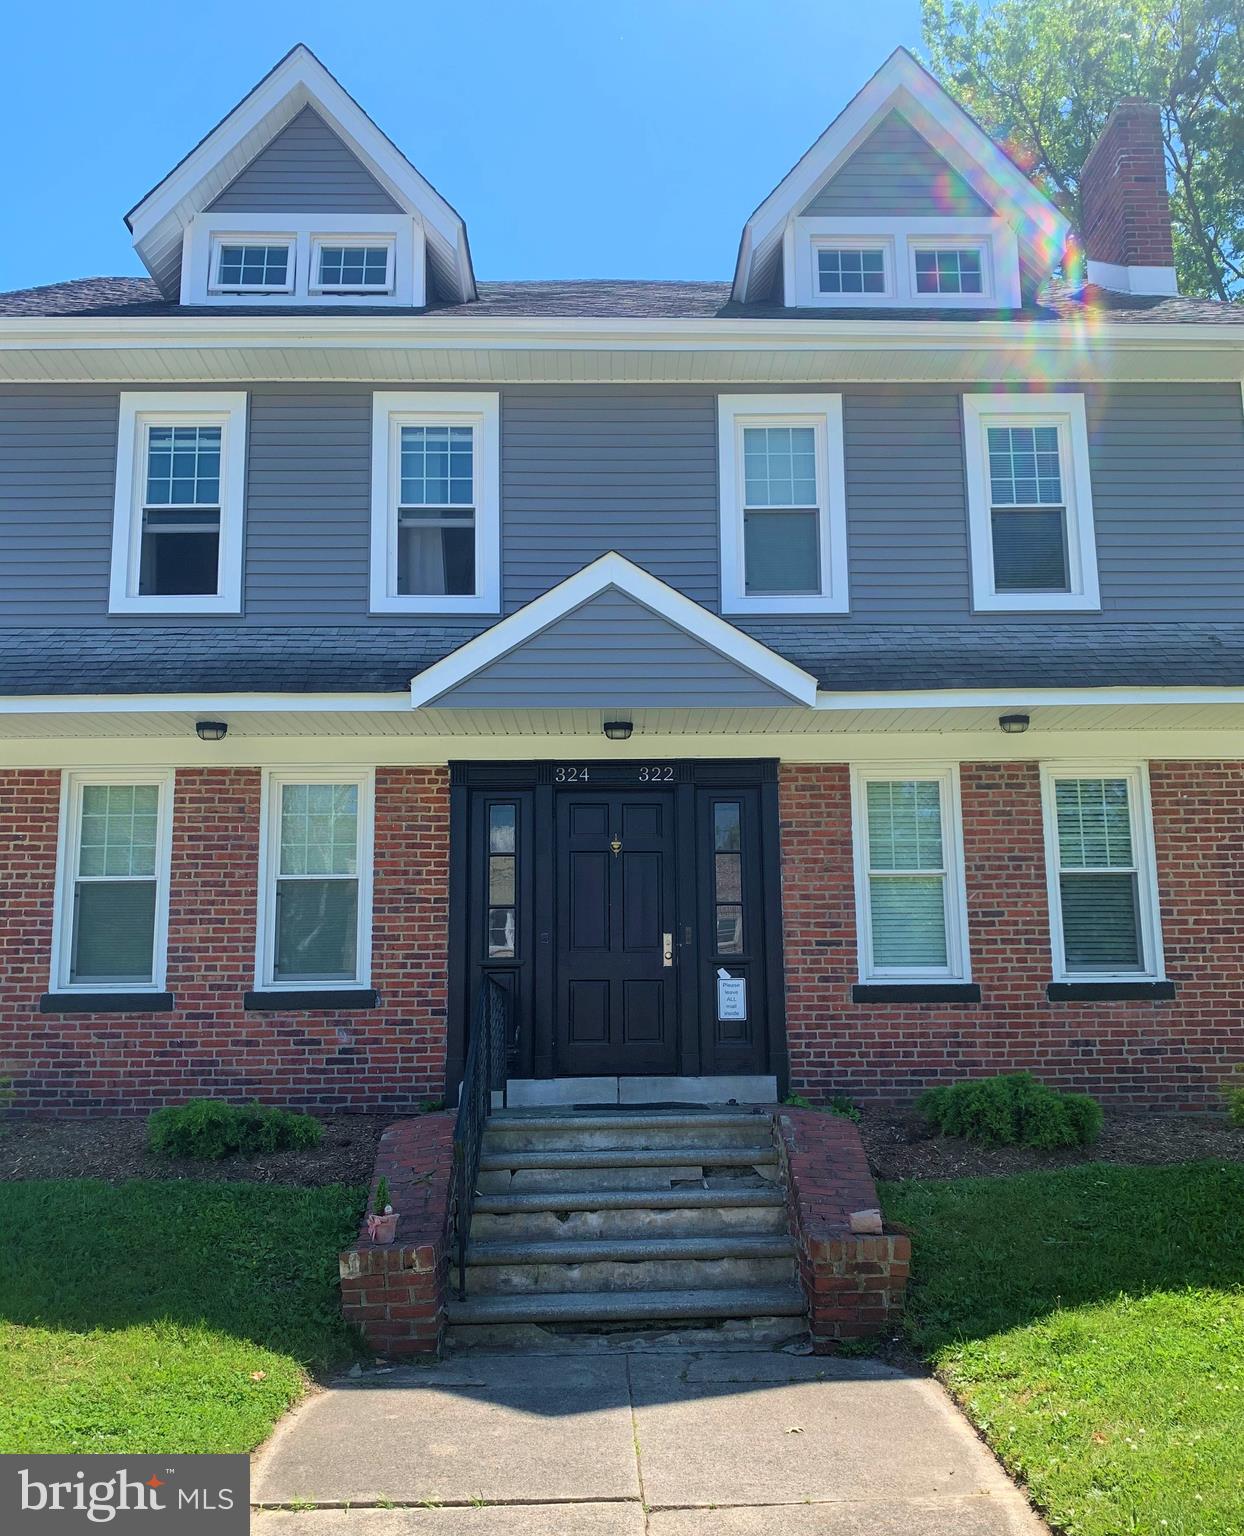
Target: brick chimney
column 1127, row 216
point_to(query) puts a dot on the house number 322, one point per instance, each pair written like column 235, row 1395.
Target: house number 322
column 652, row 773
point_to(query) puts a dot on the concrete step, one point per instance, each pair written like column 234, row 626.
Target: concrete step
column 682, row 1223
column 759, row 1155
column 499, row 1180
column 587, row 1307
column 761, row 1245
column 565, row 1277
column 627, row 1200
column 705, row 1128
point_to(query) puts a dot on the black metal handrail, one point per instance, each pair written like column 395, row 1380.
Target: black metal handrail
column 487, row 1065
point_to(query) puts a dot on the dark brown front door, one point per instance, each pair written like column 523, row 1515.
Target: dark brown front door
column 615, row 925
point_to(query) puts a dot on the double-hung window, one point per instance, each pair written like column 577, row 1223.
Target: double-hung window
column 316, row 886
column 435, row 545
column 1030, row 503
column 910, row 913
column 113, row 872
column 177, row 516
column 1100, row 865
column 783, row 504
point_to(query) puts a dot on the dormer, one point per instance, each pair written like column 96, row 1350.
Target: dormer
column 296, row 198
column 904, row 202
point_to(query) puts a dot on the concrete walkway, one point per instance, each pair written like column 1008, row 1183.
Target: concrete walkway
column 644, row 1443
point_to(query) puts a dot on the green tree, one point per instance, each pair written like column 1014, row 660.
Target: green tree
column 1042, row 76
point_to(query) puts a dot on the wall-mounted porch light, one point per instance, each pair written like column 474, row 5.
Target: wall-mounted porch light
column 1013, row 725
column 618, row 730
column 211, row 730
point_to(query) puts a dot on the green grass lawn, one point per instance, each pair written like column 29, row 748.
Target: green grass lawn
column 1091, row 1322
column 153, row 1316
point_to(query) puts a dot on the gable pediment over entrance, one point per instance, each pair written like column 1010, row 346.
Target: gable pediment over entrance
column 613, row 637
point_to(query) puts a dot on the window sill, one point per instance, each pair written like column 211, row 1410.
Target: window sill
column 106, row 1002
column 1110, row 991
column 916, row 992
column 778, row 607
column 173, row 607
column 1068, row 602
column 312, row 999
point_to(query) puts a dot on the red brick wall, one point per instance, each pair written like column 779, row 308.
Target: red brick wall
column 1172, row 1054
column 1127, row 216
column 388, row 1058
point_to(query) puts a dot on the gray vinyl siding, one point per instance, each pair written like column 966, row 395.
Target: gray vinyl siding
column 305, row 169
column 592, row 468
column 612, row 652
column 896, row 173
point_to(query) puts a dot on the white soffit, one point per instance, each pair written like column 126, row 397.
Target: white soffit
column 904, row 85
column 299, row 80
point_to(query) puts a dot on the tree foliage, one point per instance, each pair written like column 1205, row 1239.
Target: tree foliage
column 1043, row 75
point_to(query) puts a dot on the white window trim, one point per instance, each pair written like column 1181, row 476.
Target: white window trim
column 1066, row 412
column 205, row 233
column 958, row 967
column 269, row 863
column 390, row 412
column 952, row 243
column 883, row 243
column 219, row 242
column 823, row 413
column 1000, row 273
column 1147, row 899
column 68, row 838
column 319, row 241
column 138, row 411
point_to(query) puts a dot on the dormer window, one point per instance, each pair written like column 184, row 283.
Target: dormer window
column 836, row 262
column 261, row 267
column 351, row 267
column 852, row 269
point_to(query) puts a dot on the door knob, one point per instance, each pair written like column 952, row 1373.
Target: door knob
column 667, row 948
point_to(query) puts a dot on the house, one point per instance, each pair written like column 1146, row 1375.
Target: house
column 829, row 681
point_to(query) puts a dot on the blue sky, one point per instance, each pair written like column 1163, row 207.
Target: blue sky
column 577, row 138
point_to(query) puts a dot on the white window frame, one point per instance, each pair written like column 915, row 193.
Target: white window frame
column 274, row 780
column 138, row 411
column 958, row 967
column 823, row 413
column 391, row 411
column 370, row 242
column 206, row 232
column 925, row 243
column 68, row 849
column 1148, row 904
column 1066, row 413
column 882, row 243
column 994, row 237
column 220, row 241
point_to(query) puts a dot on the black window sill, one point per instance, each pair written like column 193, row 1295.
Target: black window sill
column 1110, row 991
column 106, row 1002
column 314, row 999
column 916, row 992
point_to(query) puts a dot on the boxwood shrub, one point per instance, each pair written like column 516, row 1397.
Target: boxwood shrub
column 210, row 1128
column 1012, row 1110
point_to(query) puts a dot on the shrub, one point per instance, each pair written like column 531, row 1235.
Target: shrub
column 1012, row 1110
column 210, row 1128
column 1235, row 1105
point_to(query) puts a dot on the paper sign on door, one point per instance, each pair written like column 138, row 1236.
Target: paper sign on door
column 731, row 997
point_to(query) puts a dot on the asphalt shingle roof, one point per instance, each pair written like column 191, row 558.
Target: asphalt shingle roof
column 136, row 297
column 851, row 657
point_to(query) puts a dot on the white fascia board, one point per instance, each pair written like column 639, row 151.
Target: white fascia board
column 1025, row 698
column 206, row 705
column 904, row 84
column 612, row 571
column 300, row 80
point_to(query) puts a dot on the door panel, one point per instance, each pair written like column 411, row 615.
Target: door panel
column 616, row 998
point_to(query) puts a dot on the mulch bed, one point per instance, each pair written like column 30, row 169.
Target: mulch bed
column 901, row 1146
column 114, row 1150
column 898, row 1143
